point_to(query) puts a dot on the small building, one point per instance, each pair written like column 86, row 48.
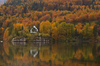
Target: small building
column 34, row 29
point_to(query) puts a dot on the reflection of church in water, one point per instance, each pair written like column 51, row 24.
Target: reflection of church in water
column 35, row 48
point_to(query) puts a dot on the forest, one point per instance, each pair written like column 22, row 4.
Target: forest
column 56, row 19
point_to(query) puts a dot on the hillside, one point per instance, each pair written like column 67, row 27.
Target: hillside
column 17, row 16
column 54, row 4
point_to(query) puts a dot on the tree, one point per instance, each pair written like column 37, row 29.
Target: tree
column 10, row 29
column 87, row 32
column 66, row 30
column 54, row 30
column 93, row 6
column 18, row 26
column 25, row 9
column 78, row 27
column 6, row 34
column 70, row 30
column 45, row 27
column 95, row 31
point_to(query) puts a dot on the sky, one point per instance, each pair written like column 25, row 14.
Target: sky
column 2, row 1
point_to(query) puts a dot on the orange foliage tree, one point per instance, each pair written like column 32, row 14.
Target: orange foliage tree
column 18, row 26
column 78, row 27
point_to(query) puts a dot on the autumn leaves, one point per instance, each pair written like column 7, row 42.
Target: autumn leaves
column 55, row 30
column 67, row 30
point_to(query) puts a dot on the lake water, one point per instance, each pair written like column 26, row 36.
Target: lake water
column 44, row 54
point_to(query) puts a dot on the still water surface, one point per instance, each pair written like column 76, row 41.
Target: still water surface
column 37, row 54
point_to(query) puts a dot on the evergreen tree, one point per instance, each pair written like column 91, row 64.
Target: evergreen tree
column 95, row 31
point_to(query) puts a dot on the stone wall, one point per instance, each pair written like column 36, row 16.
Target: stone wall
column 19, row 40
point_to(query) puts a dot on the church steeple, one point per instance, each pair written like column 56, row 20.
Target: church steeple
column 34, row 30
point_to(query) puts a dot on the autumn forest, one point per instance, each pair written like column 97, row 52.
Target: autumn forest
column 56, row 19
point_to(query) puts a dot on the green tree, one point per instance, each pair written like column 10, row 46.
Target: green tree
column 66, row 30
column 10, row 29
column 95, row 31
column 87, row 32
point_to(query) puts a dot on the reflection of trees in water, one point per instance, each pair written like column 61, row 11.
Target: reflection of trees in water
column 97, row 51
column 1, row 55
column 55, row 54
column 84, row 52
column 63, row 51
column 45, row 53
column 80, row 63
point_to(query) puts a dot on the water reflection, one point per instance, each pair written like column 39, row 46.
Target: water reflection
column 39, row 54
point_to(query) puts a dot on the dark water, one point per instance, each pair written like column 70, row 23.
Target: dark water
column 37, row 54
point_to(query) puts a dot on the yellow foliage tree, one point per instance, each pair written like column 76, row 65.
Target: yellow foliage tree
column 54, row 31
column 45, row 27
column 6, row 34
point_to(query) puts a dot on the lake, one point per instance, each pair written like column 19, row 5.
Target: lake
column 44, row 54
